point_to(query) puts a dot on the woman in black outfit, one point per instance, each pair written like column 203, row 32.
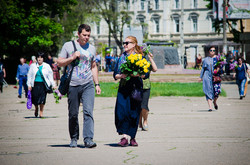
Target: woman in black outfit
column 127, row 110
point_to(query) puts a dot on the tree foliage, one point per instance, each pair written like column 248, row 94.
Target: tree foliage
column 115, row 14
column 218, row 24
column 80, row 13
column 31, row 25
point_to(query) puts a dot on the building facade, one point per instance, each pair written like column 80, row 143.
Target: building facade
column 160, row 21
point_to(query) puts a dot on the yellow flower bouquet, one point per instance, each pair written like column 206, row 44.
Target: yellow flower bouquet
column 135, row 65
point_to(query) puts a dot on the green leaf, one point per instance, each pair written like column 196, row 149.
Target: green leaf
column 127, row 78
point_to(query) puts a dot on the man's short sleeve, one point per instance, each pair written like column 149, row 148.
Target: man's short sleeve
column 94, row 54
column 64, row 53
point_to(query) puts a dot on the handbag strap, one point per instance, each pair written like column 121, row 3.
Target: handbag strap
column 41, row 75
column 74, row 45
column 212, row 63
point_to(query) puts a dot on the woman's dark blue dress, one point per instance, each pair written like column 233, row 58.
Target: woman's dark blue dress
column 127, row 110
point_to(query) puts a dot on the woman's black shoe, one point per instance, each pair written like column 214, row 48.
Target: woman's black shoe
column 209, row 110
column 215, row 106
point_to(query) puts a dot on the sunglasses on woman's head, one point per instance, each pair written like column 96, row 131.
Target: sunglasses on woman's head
column 212, row 50
column 126, row 43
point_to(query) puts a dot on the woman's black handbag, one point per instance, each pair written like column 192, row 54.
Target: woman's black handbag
column 136, row 94
column 65, row 79
column 47, row 88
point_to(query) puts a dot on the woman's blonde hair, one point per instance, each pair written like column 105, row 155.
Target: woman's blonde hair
column 138, row 49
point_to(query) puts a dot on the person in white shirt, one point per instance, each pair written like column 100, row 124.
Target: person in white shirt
column 39, row 74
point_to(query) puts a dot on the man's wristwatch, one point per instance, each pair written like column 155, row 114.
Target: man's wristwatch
column 97, row 84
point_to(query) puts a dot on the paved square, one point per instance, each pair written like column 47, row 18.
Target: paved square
column 181, row 131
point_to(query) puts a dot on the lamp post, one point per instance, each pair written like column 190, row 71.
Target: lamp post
column 224, row 27
column 181, row 33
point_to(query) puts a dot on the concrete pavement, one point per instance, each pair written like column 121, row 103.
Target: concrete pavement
column 181, row 131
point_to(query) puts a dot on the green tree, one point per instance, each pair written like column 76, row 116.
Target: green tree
column 31, row 25
column 115, row 14
column 218, row 24
column 79, row 14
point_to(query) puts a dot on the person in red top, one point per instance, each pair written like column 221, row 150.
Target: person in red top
column 198, row 62
column 56, row 74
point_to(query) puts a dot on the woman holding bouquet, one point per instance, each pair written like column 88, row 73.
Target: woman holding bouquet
column 127, row 109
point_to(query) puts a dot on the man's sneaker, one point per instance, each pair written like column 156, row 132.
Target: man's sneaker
column 88, row 142
column 73, row 143
column 123, row 142
column 19, row 96
column 133, row 143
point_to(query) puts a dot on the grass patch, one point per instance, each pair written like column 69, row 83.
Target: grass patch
column 109, row 89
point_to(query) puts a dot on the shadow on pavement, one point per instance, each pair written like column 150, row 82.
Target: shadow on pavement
column 65, row 146
column 207, row 110
column 113, row 145
column 45, row 117
column 60, row 145
column 233, row 98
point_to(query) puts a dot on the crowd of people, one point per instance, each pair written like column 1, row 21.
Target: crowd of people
column 131, row 114
column 107, row 63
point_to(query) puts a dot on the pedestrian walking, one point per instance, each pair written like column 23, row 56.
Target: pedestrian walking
column 246, row 84
column 39, row 74
column 49, row 60
column 108, row 60
column 241, row 76
column 127, row 110
column 21, row 77
column 33, row 60
column 207, row 76
column 98, row 61
column 2, row 74
column 198, row 62
column 143, row 122
column 81, row 88
column 217, row 72
column 55, row 68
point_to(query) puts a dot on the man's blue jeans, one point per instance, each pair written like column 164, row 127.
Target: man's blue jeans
column 241, row 86
column 22, row 82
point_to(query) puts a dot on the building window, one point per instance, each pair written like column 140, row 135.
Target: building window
column 212, row 28
column 194, row 24
column 177, row 25
column 157, row 26
column 156, row 4
column 127, row 4
column 177, row 4
column 195, row 4
column 142, row 4
column 176, row 22
column 149, row 6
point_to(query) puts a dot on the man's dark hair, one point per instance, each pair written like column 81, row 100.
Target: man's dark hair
column 84, row 26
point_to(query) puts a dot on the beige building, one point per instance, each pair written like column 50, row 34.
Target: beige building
column 160, row 21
